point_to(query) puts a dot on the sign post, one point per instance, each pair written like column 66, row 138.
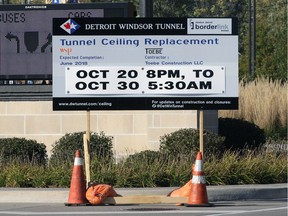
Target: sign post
column 86, row 142
column 201, row 134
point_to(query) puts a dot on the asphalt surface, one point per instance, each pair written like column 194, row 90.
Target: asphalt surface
column 148, row 195
column 237, row 208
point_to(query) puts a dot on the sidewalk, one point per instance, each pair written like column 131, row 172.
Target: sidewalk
column 147, row 195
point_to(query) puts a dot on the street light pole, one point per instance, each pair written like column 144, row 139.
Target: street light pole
column 146, row 8
column 251, row 38
column 254, row 36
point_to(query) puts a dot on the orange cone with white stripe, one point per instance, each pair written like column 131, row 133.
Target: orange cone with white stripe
column 77, row 193
column 198, row 195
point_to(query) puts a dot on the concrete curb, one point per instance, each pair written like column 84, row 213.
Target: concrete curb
column 147, row 195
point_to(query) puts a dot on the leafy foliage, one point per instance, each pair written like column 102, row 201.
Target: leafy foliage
column 186, row 142
column 22, row 150
column 241, row 134
column 272, row 39
column 248, row 167
column 64, row 149
column 141, row 165
column 271, row 28
column 232, row 168
column 146, row 156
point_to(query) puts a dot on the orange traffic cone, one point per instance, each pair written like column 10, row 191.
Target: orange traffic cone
column 198, row 195
column 77, row 193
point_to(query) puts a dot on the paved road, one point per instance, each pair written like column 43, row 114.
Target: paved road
column 237, row 208
column 215, row 193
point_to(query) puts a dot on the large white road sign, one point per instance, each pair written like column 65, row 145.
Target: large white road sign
column 140, row 63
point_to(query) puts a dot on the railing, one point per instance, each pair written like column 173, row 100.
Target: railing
column 25, row 92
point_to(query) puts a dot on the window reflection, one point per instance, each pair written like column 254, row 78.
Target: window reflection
column 25, row 82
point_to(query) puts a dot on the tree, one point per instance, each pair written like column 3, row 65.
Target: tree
column 271, row 60
column 271, row 28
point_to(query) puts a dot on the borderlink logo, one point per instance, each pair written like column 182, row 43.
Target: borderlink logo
column 209, row 26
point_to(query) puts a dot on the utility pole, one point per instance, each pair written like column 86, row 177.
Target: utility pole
column 146, row 8
column 251, row 38
column 254, row 36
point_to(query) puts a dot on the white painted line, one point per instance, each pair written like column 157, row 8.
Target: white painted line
column 250, row 211
column 115, row 212
column 213, row 212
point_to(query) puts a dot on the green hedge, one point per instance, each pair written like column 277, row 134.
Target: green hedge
column 64, row 149
column 232, row 168
column 22, row 150
column 240, row 134
column 171, row 166
column 185, row 142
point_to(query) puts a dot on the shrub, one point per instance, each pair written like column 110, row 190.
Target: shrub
column 186, row 142
column 144, row 169
column 231, row 168
column 241, row 134
column 64, row 149
column 247, row 167
column 103, row 171
column 146, row 156
column 23, row 150
column 263, row 102
column 60, row 175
